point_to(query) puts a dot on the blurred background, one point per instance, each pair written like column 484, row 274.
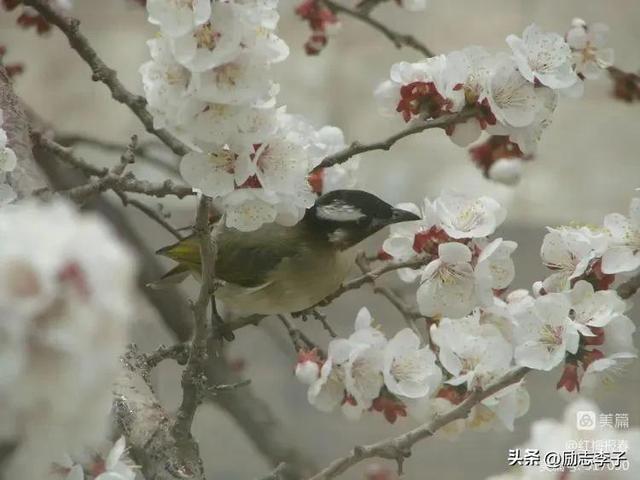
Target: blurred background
column 587, row 166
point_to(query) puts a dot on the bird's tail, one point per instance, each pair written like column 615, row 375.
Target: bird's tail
column 187, row 253
column 174, row 276
column 186, row 250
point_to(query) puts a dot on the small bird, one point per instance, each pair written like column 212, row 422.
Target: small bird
column 278, row 269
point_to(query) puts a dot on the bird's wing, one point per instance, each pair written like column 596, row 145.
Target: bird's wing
column 247, row 259
column 244, row 259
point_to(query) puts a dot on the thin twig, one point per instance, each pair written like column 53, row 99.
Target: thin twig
column 226, row 387
column 398, row 448
column 349, row 285
column 193, row 377
column 178, row 352
column 408, row 314
column 367, row 6
column 128, row 157
column 372, row 275
column 151, row 213
column 107, row 179
column 144, row 150
column 127, row 183
column 398, row 39
column 298, row 338
column 277, row 473
column 102, row 73
column 67, row 156
column 357, row 148
column 323, row 320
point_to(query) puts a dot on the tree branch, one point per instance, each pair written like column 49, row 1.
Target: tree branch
column 144, row 150
column 27, row 177
column 193, row 377
column 254, row 417
column 109, row 179
column 410, row 315
column 102, row 73
column 148, row 428
column 398, row 448
column 372, row 275
column 398, row 39
column 416, row 127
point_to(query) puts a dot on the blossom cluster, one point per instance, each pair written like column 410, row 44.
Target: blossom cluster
column 114, row 464
column 403, row 375
column 209, row 83
column 586, row 261
column 368, row 372
column 507, row 94
column 477, row 332
column 66, row 306
column 554, row 441
column 8, row 162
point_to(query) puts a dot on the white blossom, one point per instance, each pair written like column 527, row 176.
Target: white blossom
column 214, row 42
column 178, row 17
column 623, row 254
column 545, row 57
column 569, row 251
column 507, row 171
column 364, row 331
column 511, row 97
column 594, row 308
column 410, row 370
column 242, row 81
column 527, row 138
column 544, row 332
column 165, row 83
column 66, row 302
column 473, row 353
column 448, row 283
column 494, row 268
column 587, row 43
column 307, row 371
column 428, row 72
column 363, row 373
column 603, row 373
column 500, row 410
column 463, row 216
column 215, row 173
column 401, row 243
column 115, row 467
column 327, row 392
column 472, row 68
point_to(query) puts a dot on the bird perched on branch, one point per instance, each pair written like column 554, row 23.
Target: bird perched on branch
column 278, row 269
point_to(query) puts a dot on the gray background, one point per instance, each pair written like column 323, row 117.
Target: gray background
column 587, row 166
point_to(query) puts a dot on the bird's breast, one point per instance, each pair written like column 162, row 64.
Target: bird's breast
column 296, row 284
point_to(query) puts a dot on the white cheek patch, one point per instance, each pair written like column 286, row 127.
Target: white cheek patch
column 338, row 236
column 339, row 212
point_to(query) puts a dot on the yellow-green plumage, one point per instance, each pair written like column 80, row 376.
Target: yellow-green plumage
column 278, row 269
column 275, row 269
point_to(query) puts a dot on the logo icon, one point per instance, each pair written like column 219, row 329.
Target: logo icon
column 586, row 420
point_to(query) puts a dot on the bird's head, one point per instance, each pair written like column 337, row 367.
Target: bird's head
column 346, row 217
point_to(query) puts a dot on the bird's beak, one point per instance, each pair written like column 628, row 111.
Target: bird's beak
column 399, row 215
